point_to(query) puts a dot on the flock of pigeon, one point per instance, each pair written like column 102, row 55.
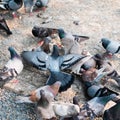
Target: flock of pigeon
column 56, row 54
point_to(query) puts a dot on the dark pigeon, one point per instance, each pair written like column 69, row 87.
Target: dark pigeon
column 54, row 63
column 4, row 26
column 112, row 113
column 42, row 32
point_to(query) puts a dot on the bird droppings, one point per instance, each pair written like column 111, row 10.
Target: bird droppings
column 97, row 19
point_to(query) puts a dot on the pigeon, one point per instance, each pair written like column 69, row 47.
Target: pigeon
column 41, row 4
column 54, row 63
column 97, row 104
column 68, row 39
column 93, row 108
column 42, row 32
column 50, row 91
column 11, row 5
column 112, row 113
column 13, row 67
column 44, row 107
column 30, row 5
column 111, row 47
column 4, row 26
column 93, row 76
column 90, row 61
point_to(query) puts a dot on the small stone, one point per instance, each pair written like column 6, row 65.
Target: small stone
column 76, row 22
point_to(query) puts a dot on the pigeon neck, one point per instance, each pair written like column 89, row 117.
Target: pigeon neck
column 61, row 33
column 18, row 1
column 13, row 53
column 106, row 99
column 105, row 43
column 55, row 52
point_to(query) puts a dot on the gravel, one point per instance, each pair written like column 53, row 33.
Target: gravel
column 14, row 111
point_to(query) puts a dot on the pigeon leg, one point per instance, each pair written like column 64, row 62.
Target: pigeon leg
column 15, row 81
column 14, row 14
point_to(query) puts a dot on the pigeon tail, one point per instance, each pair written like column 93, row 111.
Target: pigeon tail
column 4, row 26
column 114, row 75
column 65, row 79
column 80, row 38
column 13, row 53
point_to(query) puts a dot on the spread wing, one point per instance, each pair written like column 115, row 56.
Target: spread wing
column 35, row 58
column 67, row 61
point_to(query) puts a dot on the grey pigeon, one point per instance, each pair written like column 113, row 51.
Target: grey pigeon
column 97, row 104
column 93, row 107
column 11, row 5
column 54, row 63
column 30, row 5
column 41, row 4
column 68, row 40
column 111, row 47
column 13, row 67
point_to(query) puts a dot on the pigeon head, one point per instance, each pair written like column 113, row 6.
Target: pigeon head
column 105, row 42
column 61, row 33
column 43, row 101
column 35, row 31
column 38, row 4
column 13, row 53
column 98, row 56
column 9, row 32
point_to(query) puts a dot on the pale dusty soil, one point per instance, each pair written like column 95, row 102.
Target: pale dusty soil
column 96, row 18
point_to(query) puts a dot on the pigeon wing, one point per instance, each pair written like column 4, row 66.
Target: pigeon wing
column 67, row 61
column 14, row 6
column 35, row 58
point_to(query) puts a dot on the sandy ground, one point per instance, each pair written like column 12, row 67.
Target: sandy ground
column 96, row 19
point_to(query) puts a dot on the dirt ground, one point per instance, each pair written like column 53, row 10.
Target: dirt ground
column 97, row 19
